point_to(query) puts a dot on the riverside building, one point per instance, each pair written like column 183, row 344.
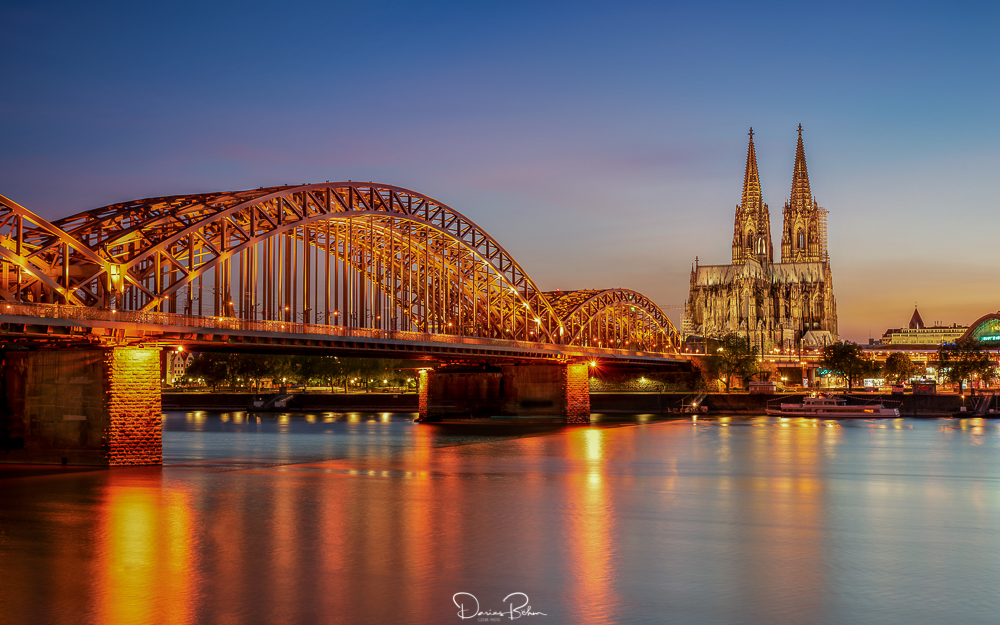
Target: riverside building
column 785, row 305
column 918, row 335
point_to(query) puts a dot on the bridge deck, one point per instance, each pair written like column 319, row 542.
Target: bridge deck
column 52, row 323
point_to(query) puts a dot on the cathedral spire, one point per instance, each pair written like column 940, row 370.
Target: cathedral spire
column 803, row 238
column 751, row 180
column 801, row 195
column 752, row 231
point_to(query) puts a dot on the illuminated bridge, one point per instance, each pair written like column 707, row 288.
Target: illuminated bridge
column 348, row 268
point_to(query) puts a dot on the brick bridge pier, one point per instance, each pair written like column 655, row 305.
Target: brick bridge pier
column 558, row 390
column 83, row 406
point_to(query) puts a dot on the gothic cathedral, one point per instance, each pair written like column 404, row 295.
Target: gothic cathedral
column 785, row 305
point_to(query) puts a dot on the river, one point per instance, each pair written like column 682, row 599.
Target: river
column 370, row 518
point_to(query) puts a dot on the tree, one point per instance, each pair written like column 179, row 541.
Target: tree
column 329, row 369
column 305, row 369
column 253, row 368
column 371, row 370
column 899, row 367
column 734, row 356
column 847, row 360
column 870, row 368
column 211, row 367
column 282, row 368
column 963, row 359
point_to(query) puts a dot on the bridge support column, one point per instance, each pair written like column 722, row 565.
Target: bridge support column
column 558, row 390
column 577, row 393
column 97, row 406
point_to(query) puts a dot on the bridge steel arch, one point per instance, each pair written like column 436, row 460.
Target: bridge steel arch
column 615, row 318
column 354, row 254
column 349, row 254
column 41, row 262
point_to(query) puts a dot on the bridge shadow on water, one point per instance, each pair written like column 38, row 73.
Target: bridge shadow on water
column 241, row 440
column 233, row 440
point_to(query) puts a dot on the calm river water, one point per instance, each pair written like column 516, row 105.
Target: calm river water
column 369, row 518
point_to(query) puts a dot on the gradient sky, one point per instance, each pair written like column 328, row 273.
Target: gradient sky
column 603, row 144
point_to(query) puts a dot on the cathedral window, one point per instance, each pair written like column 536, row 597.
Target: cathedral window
column 749, row 240
column 802, row 240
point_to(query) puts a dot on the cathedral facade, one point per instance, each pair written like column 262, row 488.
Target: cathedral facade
column 785, row 305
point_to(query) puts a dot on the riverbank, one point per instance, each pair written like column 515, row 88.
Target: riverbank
column 745, row 403
column 298, row 402
column 601, row 403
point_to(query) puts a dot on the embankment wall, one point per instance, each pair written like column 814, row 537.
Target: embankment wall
column 630, row 403
column 401, row 402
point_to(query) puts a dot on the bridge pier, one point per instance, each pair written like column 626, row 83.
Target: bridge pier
column 89, row 406
column 558, row 390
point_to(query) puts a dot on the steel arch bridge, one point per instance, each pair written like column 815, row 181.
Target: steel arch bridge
column 353, row 255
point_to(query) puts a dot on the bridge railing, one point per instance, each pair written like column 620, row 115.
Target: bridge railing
column 174, row 320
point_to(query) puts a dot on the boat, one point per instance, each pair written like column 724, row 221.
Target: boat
column 827, row 407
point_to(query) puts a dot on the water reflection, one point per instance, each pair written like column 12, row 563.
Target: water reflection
column 145, row 552
column 591, row 527
column 369, row 518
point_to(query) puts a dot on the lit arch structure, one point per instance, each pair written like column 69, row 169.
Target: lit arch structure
column 615, row 318
column 986, row 329
column 358, row 255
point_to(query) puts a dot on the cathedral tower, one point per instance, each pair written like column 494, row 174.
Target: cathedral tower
column 787, row 305
column 752, row 231
column 803, row 236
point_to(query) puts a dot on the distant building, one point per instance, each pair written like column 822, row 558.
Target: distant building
column 176, row 365
column 788, row 304
column 918, row 335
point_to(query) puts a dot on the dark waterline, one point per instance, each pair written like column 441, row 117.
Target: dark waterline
column 370, row 518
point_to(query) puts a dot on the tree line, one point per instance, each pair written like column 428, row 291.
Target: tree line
column 957, row 363
column 735, row 357
column 252, row 371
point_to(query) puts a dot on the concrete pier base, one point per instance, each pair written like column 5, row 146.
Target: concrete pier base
column 532, row 390
column 90, row 406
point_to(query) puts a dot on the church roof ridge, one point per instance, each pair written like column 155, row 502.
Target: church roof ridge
column 702, row 266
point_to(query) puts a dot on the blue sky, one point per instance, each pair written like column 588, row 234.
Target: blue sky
column 602, row 144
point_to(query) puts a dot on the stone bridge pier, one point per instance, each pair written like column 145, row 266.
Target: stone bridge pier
column 85, row 406
column 560, row 390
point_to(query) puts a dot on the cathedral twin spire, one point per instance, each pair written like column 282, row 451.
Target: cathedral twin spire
column 752, row 231
column 752, row 197
column 803, row 237
column 801, row 196
column 804, row 222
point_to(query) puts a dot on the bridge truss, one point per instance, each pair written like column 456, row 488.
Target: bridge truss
column 340, row 254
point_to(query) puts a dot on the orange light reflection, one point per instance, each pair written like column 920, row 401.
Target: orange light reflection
column 591, row 531
column 147, row 563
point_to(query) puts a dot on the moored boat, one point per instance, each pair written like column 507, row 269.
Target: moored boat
column 825, row 407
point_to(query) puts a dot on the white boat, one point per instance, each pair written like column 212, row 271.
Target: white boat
column 824, row 407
